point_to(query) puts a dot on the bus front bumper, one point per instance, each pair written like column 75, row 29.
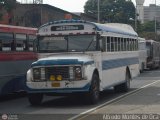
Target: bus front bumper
column 58, row 87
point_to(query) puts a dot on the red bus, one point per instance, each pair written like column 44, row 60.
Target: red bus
column 16, row 55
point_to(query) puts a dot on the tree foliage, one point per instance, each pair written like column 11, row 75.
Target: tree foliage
column 147, row 30
column 120, row 11
column 7, row 5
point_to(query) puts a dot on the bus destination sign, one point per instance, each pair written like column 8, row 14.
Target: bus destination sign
column 67, row 27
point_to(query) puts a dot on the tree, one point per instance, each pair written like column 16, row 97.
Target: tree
column 112, row 10
column 147, row 30
column 7, row 5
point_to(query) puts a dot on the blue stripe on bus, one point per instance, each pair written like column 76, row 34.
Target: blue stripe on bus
column 111, row 64
column 61, row 62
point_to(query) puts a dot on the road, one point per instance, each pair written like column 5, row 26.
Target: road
column 143, row 98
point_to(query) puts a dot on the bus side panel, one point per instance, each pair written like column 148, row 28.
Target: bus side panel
column 114, row 67
column 156, row 56
column 142, row 55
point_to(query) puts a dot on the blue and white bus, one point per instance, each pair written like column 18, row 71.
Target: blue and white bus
column 76, row 56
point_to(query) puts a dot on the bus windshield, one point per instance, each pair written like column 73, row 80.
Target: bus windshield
column 75, row 43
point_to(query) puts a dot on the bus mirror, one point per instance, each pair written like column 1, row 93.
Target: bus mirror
column 98, row 37
column 35, row 43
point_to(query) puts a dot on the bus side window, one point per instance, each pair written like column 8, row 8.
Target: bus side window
column 125, row 44
column 31, row 42
column 103, row 44
column 116, row 44
column 119, row 44
column 112, row 44
column 122, row 44
column 136, row 44
column 128, row 44
column 21, row 40
column 133, row 45
column 6, row 41
column 108, row 44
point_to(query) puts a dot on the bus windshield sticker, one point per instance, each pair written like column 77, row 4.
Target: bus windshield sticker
column 67, row 27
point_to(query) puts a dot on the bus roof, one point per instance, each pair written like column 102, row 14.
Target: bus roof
column 17, row 29
column 141, row 39
column 109, row 27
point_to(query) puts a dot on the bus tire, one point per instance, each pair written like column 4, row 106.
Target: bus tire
column 92, row 96
column 35, row 98
column 124, row 87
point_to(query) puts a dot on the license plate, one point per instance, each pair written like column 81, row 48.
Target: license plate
column 55, row 84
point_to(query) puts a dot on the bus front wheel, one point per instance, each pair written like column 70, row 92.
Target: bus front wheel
column 94, row 93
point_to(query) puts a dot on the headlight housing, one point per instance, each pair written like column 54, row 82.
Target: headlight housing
column 38, row 74
column 78, row 72
column 75, row 72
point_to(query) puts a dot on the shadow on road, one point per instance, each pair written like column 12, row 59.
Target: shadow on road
column 12, row 96
column 74, row 101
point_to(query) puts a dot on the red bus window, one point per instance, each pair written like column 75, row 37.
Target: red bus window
column 31, row 42
column 21, row 41
column 6, row 41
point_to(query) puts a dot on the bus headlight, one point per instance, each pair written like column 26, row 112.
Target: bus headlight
column 38, row 74
column 78, row 72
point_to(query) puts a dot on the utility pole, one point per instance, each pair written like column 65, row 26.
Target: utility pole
column 155, row 21
column 155, row 27
column 136, row 19
column 98, row 12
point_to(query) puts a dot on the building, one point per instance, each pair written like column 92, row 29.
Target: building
column 151, row 12
column 34, row 15
column 86, row 17
column 6, row 17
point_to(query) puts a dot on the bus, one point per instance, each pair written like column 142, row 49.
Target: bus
column 81, row 57
column 153, row 54
column 142, row 54
column 16, row 55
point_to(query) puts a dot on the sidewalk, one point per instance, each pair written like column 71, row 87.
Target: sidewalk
column 142, row 105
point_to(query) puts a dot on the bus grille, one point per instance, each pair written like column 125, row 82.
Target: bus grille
column 63, row 71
